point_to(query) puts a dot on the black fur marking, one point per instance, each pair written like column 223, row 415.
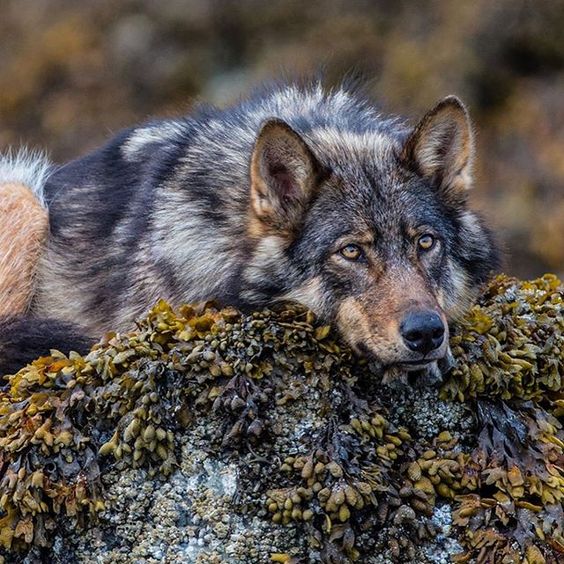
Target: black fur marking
column 23, row 339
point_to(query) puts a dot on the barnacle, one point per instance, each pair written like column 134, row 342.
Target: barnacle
column 351, row 474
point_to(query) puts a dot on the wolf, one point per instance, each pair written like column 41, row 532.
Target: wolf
column 299, row 193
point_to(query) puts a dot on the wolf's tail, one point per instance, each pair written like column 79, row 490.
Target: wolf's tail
column 23, row 226
column 23, row 235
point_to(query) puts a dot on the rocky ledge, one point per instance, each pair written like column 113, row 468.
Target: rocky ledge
column 211, row 436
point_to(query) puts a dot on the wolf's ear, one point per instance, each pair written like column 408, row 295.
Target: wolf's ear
column 441, row 148
column 284, row 175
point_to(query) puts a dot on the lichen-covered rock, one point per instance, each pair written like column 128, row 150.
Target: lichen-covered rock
column 212, row 436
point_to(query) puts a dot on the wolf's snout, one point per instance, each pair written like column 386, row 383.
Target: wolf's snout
column 422, row 331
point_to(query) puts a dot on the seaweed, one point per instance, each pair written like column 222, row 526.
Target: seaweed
column 510, row 366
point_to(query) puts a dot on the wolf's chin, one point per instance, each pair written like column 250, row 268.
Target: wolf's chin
column 427, row 375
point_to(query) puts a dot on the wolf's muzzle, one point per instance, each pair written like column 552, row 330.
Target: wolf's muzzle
column 422, row 331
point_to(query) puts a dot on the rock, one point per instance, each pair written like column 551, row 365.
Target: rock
column 212, row 436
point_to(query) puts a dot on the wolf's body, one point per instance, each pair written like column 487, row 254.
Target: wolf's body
column 297, row 194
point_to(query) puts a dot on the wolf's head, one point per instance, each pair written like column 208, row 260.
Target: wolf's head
column 371, row 230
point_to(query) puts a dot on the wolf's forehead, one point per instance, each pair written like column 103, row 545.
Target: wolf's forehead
column 377, row 197
column 365, row 148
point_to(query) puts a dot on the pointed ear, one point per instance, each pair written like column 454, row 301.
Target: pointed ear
column 441, row 148
column 284, row 175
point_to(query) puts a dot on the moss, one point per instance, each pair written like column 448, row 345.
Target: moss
column 343, row 476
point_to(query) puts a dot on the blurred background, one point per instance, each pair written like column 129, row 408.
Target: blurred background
column 72, row 73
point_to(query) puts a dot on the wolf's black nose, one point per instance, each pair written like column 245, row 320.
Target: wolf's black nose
column 422, row 331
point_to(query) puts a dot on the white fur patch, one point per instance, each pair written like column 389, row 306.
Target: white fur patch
column 160, row 133
column 291, row 101
column 309, row 295
column 269, row 253
column 471, row 223
column 459, row 299
column 202, row 258
column 339, row 142
column 28, row 167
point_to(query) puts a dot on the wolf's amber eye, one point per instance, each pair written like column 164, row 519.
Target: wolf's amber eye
column 351, row 252
column 426, row 242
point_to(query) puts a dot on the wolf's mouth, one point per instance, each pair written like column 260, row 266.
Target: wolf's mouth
column 416, row 364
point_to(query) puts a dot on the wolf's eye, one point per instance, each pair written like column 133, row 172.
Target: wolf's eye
column 351, row 252
column 426, row 242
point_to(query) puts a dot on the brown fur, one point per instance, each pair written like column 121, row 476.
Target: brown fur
column 372, row 319
column 23, row 233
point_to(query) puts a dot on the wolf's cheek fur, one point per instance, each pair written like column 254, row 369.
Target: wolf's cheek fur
column 471, row 260
column 312, row 295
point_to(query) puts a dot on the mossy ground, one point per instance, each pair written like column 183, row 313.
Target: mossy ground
column 325, row 462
